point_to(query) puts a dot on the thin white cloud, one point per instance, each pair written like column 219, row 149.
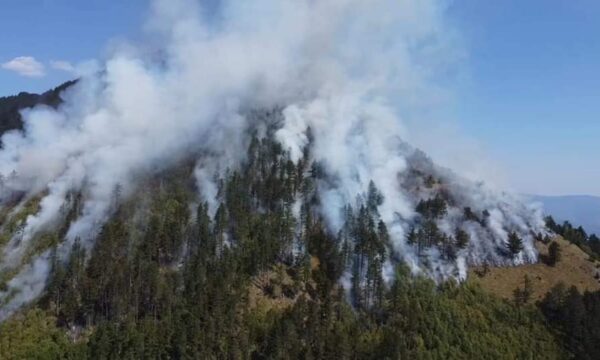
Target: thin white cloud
column 25, row 66
column 63, row 65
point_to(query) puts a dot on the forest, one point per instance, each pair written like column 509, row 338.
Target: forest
column 257, row 275
column 590, row 243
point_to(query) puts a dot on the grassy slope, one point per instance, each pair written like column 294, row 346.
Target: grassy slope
column 574, row 268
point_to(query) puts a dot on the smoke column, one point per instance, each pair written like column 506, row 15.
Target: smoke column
column 345, row 68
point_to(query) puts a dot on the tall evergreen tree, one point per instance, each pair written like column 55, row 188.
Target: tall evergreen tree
column 515, row 244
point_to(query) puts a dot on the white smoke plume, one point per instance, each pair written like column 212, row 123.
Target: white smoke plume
column 345, row 68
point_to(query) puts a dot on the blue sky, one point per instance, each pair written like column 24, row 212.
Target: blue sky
column 69, row 30
column 531, row 96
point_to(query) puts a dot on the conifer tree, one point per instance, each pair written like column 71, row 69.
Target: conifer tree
column 554, row 253
column 515, row 244
column 462, row 239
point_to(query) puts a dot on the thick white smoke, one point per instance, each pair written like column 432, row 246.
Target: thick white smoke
column 344, row 68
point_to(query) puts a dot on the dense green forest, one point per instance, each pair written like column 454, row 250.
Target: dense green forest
column 258, row 275
column 166, row 280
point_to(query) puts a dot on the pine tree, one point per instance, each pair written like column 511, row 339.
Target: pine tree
column 432, row 209
column 374, row 198
column 54, row 297
column 554, row 253
column 206, row 239
column 522, row 296
column 72, row 286
column 462, row 239
column 515, row 244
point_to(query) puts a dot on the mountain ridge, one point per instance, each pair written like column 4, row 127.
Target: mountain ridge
column 11, row 106
column 582, row 210
column 256, row 269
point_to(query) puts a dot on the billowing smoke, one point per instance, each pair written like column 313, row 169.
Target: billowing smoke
column 346, row 69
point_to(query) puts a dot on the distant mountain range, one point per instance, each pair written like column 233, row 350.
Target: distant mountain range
column 581, row 210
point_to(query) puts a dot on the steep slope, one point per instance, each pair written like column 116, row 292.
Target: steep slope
column 166, row 279
column 316, row 128
column 438, row 223
column 246, row 188
column 259, row 270
column 574, row 268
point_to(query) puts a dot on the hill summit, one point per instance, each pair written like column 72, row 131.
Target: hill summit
column 418, row 213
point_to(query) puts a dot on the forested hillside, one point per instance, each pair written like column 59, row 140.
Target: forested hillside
column 169, row 281
column 253, row 180
column 10, row 106
column 255, row 277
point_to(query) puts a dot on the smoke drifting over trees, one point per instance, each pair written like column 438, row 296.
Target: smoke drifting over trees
column 329, row 81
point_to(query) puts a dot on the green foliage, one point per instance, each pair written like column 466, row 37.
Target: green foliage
column 369, row 235
column 515, row 244
column 417, row 320
column 462, row 239
column 590, row 244
column 577, row 317
column 39, row 245
column 460, row 322
column 554, row 253
column 13, row 221
column 34, row 335
column 523, row 295
column 166, row 279
column 434, row 208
